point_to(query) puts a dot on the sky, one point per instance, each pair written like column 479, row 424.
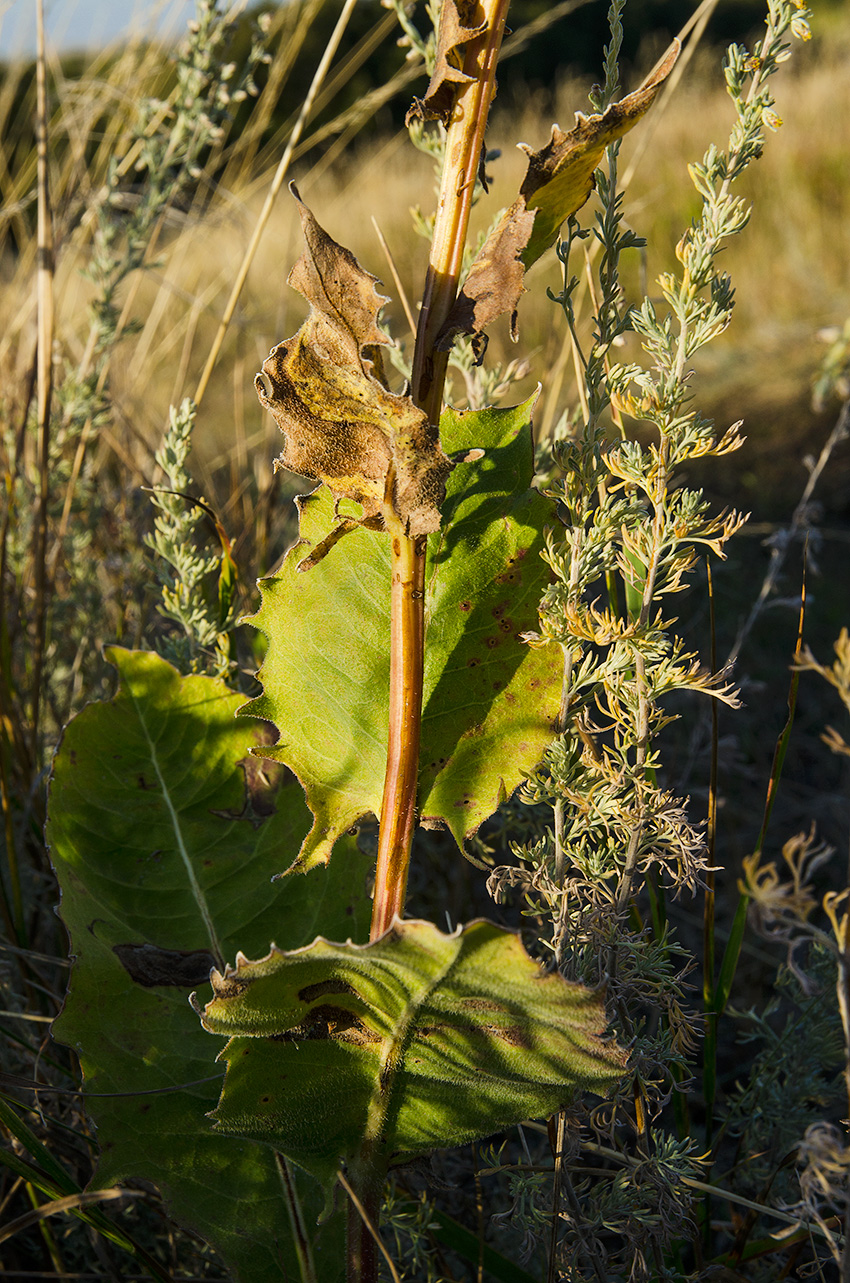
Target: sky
column 86, row 24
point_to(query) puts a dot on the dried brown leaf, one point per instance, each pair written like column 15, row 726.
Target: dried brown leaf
column 558, row 181
column 325, row 388
column 457, row 28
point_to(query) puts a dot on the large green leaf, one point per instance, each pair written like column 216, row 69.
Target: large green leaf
column 165, row 835
column 418, row 1041
column 489, row 701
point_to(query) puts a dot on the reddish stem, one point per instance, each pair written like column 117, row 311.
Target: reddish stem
column 464, row 144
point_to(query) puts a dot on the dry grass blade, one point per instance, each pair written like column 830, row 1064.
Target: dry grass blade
column 293, row 21
column 402, row 293
column 277, row 183
column 67, row 1204
column 695, row 27
column 44, row 376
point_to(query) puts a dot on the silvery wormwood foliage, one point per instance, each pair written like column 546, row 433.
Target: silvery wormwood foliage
column 201, row 641
column 166, row 142
column 626, row 542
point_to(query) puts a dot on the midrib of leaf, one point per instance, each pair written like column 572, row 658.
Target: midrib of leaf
column 392, row 1054
column 194, row 885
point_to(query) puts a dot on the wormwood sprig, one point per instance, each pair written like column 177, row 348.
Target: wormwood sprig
column 405, row 1225
column 167, row 143
column 157, row 168
column 625, row 531
column 183, row 570
column 627, row 541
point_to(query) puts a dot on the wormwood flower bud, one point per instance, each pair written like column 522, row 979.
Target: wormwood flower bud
column 770, row 118
column 800, row 28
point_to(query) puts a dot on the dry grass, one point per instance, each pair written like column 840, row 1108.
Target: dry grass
column 791, row 267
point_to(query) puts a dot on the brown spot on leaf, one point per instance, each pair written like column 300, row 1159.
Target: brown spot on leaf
column 263, row 778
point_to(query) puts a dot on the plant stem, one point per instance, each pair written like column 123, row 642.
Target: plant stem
column 464, row 143
column 407, row 625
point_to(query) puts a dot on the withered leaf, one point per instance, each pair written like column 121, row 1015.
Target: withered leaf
column 326, row 391
column 558, row 181
column 457, row 28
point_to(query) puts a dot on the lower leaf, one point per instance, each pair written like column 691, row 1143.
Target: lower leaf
column 417, row 1041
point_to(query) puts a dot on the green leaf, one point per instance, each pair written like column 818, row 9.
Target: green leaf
column 417, row 1041
column 490, row 701
column 165, row 835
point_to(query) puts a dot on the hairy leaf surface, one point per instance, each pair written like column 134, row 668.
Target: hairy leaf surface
column 489, row 700
column 417, row 1041
column 165, row 834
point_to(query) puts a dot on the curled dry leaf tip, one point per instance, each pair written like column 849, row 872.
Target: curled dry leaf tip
column 326, row 390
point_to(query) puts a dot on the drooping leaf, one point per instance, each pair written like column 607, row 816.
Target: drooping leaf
column 165, row 834
column 558, row 181
column 326, row 392
column 417, row 1041
column 456, row 28
column 489, row 700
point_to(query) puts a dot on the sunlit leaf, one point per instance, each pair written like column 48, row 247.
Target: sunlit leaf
column 490, row 702
column 418, row 1041
column 558, row 181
